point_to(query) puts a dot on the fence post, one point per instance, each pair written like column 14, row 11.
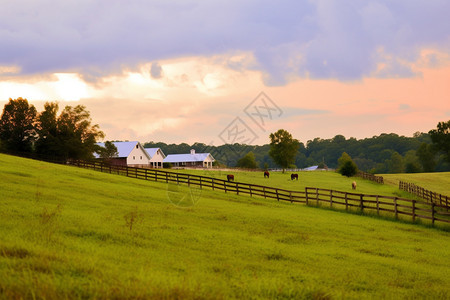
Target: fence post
column 237, row 188
column 189, row 180
column 414, row 210
column 278, row 198
column 201, row 182
column 432, row 213
column 250, row 187
column 395, row 208
column 378, row 206
column 290, row 196
column 331, row 198
column 346, row 201
column 317, row 196
column 264, row 192
column 212, row 183
column 306, row 195
column 178, row 181
column 225, row 186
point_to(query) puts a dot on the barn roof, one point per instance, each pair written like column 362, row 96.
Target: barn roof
column 173, row 158
column 124, row 148
column 153, row 151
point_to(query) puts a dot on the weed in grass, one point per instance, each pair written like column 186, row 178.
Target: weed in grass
column 48, row 220
column 133, row 217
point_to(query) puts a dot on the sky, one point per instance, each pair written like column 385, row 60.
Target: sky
column 232, row 71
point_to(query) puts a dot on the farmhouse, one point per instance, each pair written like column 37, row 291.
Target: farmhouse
column 193, row 160
column 130, row 154
column 156, row 157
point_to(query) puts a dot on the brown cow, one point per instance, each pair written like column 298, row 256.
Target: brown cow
column 294, row 176
column 266, row 174
column 230, row 177
column 354, row 185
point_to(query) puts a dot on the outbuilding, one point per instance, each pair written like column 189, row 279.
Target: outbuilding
column 191, row 160
column 156, row 157
column 130, row 154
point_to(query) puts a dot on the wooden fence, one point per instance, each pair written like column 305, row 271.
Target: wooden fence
column 364, row 175
column 381, row 205
column 427, row 195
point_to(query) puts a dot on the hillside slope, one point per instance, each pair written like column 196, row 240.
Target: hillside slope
column 73, row 233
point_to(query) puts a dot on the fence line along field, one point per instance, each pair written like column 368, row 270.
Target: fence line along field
column 69, row 233
column 379, row 204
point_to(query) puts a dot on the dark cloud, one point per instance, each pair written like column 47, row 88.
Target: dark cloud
column 320, row 39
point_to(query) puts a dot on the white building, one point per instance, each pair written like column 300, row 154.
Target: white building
column 156, row 157
column 192, row 160
column 130, row 154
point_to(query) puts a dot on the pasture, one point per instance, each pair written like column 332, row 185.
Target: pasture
column 73, row 233
column 438, row 182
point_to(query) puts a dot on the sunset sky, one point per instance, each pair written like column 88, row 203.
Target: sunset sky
column 232, row 71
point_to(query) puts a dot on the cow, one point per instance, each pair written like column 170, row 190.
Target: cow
column 354, row 185
column 230, row 177
column 266, row 174
column 294, row 176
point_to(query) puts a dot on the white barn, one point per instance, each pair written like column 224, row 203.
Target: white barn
column 192, row 160
column 130, row 154
column 156, row 157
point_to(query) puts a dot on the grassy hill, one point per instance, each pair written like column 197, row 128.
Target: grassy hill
column 438, row 182
column 74, row 233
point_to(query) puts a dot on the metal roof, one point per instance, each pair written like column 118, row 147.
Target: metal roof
column 173, row 158
column 124, row 148
column 152, row 152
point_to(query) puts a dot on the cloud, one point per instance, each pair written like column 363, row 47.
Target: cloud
column 156, row 70
column 316, row 39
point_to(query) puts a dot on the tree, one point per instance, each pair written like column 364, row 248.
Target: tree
column 283, row 148
column 109, row 151
column 48, row 143
column 395, row 163
column 17, row 131
column 77, row 135
column 426, row 156
column 441, row 138
column 412, row 163
column 248, row 161
column 346, row 166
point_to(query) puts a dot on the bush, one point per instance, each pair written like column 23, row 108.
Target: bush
column 348, row 169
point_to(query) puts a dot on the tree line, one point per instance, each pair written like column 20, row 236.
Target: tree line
column 386, row 153
column 49, row 134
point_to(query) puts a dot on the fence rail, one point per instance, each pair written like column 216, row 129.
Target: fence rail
column 399, row 207
column 375, row 178
column 427, row 195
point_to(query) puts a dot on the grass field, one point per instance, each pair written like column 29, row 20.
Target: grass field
column 74, row 233
column 436, row 182
column 317, row 179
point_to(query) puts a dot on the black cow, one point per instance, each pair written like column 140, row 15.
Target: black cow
column 294, row 176
column 230, row 177
column 266, row 174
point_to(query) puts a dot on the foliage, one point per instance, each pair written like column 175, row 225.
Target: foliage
column 441, row 138
column 395, row 163
column 17, row 131
column 283, row 148
column 248, row 161
column 108, row 151
column 346, row 166
column 426, row 157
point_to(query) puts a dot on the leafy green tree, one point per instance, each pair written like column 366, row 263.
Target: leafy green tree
column 395, row 163
column 283, row 148
column 346, row 166
column 412, row 164
column 48, row 142
column 441, row 138
column 248, row 161
column 78, row 136
column 17, row 131
column 109, row 151
column 426, row 157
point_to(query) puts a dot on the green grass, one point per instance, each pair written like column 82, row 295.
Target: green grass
column 65, row 233
column 436, row 182
column 316, row 179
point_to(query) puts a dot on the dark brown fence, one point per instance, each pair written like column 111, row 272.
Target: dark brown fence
column 427, row 195
column 381, row 205
column 375, row 178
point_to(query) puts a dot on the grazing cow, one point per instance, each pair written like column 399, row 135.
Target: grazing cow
column 354, row 185
column 230, row 177
column 294, row 176
column 266, row 174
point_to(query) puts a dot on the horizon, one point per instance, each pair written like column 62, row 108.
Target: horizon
column 225, row 72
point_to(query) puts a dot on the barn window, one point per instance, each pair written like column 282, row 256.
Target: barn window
column 141, row 157
column 137, row 146
column 134, row 157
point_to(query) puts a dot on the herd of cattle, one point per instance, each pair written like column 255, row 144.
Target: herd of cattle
column 230, row 177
